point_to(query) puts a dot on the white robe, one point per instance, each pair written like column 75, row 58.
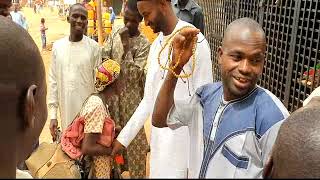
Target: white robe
column 169, row 148
column 20, row 174
column 71, row 77
column 314, row 93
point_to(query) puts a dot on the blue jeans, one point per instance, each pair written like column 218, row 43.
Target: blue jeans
column 44, row 41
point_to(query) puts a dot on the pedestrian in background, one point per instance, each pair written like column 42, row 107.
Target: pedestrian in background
column 18, row 17
column 189, row 11
column 43, row 29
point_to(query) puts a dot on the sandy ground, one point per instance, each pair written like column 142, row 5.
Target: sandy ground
column 58, row 27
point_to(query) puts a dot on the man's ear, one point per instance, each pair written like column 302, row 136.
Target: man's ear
column 268, row 168
column 29, row 107
column 68, row 19
column 220, row 53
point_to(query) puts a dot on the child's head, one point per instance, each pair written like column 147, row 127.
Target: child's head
column 42, row 20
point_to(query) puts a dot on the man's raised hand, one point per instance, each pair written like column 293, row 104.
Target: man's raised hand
column 183, row 44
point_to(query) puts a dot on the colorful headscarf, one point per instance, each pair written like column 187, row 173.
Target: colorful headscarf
column 106, row 73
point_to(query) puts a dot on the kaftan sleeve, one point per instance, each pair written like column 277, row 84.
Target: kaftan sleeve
column 268, row 138
column 182, row 113
column 267, row 141
column 139, row 117
column 53, row 102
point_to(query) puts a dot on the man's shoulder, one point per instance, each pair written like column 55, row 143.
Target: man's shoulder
column 195, row 7
column 60, row 42
column 209, row 89
column 266, row 97
column 269, row 109
column 270, row 105
column 91, row 41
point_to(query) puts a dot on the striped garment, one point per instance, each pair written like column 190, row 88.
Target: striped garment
column 229, row 139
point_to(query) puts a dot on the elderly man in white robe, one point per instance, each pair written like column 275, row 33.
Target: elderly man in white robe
column 71, row 74
column 168, row 148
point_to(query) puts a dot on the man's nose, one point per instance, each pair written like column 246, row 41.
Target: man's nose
column 79, row 20
column 244, row 66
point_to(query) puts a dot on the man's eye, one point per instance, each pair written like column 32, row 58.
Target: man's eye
column 257, row 59
column 235, row 57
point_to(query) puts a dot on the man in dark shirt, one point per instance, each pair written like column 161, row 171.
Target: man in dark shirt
column 189, row 11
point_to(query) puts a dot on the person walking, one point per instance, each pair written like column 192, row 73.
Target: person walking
column 43, row 29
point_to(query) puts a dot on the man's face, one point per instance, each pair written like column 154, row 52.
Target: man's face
column 241, row 59
column 16, row 7
column 4, row 7
column 151, row 12
column 131, row 21
column 78, row 20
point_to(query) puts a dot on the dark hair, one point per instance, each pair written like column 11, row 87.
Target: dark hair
column 42, row 20
column 132, row 6
column 74, row 5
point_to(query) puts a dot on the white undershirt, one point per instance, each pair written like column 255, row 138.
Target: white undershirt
column 222, row 105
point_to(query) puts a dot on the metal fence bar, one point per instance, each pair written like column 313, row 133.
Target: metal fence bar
column 317, row 21
column 296, row 64
column 306, row 53
column 283, row 52
column 299, row 101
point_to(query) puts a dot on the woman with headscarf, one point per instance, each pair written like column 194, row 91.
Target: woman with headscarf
column 95, row 113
